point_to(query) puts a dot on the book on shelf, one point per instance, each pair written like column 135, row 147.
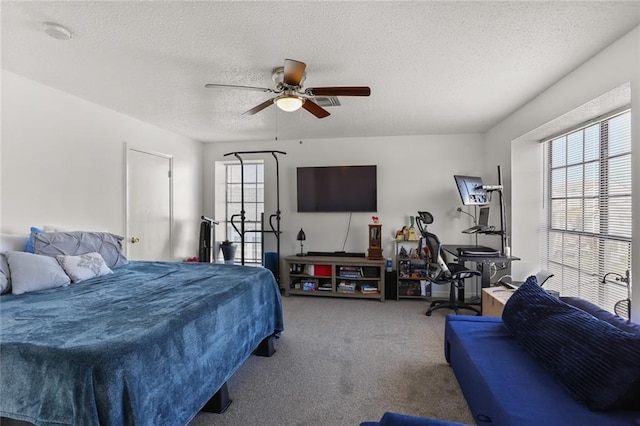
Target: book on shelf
column 350, row 272
column 346, row 287
column 350, row 268
column 349, row 275
column 325, row 287
column 368, row 289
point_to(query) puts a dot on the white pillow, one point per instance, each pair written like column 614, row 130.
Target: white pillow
column 33, row 272
column 84, row 266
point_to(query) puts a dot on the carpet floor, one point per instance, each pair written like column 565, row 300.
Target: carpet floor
column 345, row 361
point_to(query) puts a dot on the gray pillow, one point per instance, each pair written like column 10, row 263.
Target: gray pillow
column 5, row 277
column 32, row 272
column 76, row 243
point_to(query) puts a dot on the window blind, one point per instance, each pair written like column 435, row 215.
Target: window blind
column 589, row 214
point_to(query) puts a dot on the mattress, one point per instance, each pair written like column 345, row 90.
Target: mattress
column 148, row 345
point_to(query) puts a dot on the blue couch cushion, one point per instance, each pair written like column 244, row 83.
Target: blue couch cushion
column 594, row 361
column 396, row 419
column 600, row 313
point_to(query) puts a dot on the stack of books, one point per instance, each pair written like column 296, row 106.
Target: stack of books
column 346, row 287
column 368, row 289
column 350, row 272
column 325, row 287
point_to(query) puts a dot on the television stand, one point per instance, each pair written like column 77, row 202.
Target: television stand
column 334, row 275
column 335, row 254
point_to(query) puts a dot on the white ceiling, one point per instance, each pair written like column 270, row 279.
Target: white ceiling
column 433, row 67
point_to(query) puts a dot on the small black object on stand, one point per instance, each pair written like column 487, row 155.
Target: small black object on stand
column 206, row 228
column 301, row 237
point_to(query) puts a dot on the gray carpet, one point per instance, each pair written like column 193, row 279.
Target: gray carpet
column 344, row 361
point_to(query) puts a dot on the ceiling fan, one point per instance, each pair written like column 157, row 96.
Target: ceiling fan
column 291, row 95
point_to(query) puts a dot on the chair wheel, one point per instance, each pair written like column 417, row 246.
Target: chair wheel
column 428, row 313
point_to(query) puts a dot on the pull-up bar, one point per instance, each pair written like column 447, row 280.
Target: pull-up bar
column 275, row 231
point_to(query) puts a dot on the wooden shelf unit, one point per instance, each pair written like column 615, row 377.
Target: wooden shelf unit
column 329, row 271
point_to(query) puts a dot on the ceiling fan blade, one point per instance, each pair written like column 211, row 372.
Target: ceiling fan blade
column 315, row 109
column 259, row 108
column 231, row 86
column 339, row 91
column 293, row 72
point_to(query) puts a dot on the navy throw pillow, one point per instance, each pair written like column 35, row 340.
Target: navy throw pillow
column 593, row 360
column 600, row 313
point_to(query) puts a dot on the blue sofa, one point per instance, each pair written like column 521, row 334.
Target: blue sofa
column 397, row 419
column 548, row 361
column 504, row 385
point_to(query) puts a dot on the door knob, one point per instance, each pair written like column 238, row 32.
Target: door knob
column 134, row 240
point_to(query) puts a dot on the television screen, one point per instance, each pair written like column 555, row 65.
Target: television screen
column 337, row 189
column 471, row 192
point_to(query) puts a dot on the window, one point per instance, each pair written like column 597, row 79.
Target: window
column 231, row 203
column 589, row 222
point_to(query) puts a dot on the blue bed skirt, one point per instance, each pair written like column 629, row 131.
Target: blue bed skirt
column 147, row 345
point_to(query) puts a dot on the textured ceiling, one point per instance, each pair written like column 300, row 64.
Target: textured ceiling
column 433, row 67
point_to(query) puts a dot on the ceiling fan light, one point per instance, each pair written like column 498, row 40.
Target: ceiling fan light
column 289, row 103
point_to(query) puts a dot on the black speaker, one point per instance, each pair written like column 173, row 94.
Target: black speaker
column 390, row 285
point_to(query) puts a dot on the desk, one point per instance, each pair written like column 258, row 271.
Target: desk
column 484, row 261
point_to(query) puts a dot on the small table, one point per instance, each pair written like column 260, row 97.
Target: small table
column 494, row 299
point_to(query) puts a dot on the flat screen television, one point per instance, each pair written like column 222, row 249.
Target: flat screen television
column 470, row 189
column 337, row 189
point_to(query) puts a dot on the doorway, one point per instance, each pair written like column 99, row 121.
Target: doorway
column 148, row 205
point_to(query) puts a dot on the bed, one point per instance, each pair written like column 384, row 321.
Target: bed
column 149, row 344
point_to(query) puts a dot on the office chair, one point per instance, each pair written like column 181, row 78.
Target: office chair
column 441, row 272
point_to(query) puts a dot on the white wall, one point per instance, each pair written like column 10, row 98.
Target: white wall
column 613, row 67
column 63, row 164
column 414, row 173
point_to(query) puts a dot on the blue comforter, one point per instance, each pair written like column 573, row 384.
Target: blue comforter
column 148, row 345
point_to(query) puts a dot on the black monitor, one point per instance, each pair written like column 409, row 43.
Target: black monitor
column 471, row 192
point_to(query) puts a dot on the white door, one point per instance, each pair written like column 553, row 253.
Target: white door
column 149, row 206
